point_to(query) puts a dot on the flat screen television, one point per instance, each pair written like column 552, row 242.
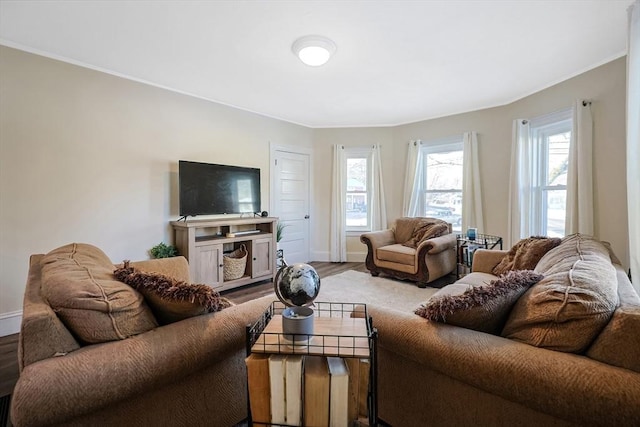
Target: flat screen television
column 212, row 189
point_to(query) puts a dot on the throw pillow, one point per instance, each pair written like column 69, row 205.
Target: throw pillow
column 525, row 254
column 567, row 309
column 426, row 229
column 78, row 284
column 482, row 308
column 171, row 300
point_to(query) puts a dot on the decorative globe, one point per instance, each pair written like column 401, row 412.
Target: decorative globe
column 297, row 284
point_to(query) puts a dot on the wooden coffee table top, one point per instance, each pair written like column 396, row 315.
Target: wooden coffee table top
column 333, row 336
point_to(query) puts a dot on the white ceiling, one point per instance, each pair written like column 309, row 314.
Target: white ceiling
column 397, row 61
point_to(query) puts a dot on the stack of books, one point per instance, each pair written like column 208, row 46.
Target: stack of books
column 313, row 391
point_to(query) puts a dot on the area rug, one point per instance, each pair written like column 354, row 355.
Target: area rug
column 354, row 286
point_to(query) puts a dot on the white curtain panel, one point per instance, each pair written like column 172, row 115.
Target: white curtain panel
column 471, row 191
column 633, row 141
column 378, row 204
column 338, row 235
column 579, row 213
column 413, row 172
column 520, row 183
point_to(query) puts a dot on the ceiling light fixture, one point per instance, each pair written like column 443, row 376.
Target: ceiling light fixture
column 314, row 50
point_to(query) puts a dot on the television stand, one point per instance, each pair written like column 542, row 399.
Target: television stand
column 204, row 241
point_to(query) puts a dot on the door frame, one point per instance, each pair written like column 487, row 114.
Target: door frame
column 273, row 149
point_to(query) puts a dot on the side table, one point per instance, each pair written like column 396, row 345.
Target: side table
column 340, row 330
column 465, row 247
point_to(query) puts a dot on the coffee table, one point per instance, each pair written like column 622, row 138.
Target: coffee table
column 340, row 330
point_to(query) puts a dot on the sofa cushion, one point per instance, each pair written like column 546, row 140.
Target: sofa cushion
column 403, row 228
column 172, row 300
column 481, row 307
column 78, row 284
column 397, row 253
column 42, row 333
column 176, row 267
column 567, row 309
column 525, row 254
column 619, row 342
column 426, row 228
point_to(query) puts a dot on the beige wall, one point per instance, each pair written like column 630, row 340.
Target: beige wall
column 86, row 156
column 605, row 86
column 89, row 157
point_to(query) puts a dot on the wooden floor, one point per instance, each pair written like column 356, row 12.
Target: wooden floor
column 9, row 344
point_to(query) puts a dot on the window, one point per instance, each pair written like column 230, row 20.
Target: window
column 550, row 138
column 441, row 195
column 359, row 180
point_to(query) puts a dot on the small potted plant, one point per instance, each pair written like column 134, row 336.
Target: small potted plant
column 279, row 253
column 279, row 230
column 162, row 250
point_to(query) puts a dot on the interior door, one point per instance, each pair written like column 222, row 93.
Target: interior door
column 291, row 195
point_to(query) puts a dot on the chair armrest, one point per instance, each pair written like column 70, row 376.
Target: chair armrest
column 57, row 389
column 175, row 267
column 557, row 383
column 485, row 260
column 378, row 239
column 438, row 244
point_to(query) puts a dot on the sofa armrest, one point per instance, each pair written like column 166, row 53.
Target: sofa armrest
column 376, row 239
column 57, row 389
column 438, row 244
column 485, row 260
column 562, row 384
column 175, row 267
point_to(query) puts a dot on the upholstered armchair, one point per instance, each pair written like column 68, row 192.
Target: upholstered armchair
column 417, row 249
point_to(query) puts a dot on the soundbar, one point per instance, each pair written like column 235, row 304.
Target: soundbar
column 242, row 233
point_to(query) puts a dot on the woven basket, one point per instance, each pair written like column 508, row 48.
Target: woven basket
column 235, row 263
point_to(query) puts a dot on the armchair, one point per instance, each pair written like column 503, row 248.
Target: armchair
column 390, row 251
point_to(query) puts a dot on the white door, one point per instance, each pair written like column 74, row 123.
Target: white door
column 291, row 194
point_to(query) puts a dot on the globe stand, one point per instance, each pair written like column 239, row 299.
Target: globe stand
column 297, row 324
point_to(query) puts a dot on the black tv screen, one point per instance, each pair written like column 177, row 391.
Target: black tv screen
column 211, row 189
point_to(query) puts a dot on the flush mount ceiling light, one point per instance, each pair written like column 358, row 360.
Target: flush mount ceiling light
column 314, row 50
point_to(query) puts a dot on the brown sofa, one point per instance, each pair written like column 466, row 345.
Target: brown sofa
column 433, row 373
column 429, row 260
column 187, row 373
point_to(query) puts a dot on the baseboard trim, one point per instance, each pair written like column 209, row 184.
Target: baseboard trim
column 320, row 256
column 356, row 256
column 10, row 323
column 351, row 256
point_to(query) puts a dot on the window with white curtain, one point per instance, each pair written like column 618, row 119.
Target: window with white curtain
column 441, row 181
column 359, row 174
column 550, row 139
